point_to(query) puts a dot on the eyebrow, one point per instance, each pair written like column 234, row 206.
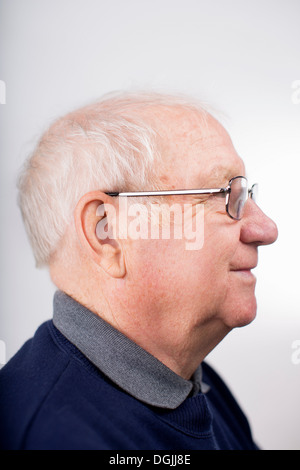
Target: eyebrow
column 222, row 173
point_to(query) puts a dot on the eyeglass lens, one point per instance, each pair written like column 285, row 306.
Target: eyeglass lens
column 254, row 192
column 237, row 197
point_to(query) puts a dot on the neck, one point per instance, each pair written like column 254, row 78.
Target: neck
column 180, row 347
column 181, row 351
column 166, row 334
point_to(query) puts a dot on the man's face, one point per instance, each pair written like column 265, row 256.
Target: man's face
column 192, row 286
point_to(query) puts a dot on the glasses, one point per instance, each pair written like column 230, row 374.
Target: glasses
column 237, row 192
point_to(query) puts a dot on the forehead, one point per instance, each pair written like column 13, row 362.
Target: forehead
column 200, row 153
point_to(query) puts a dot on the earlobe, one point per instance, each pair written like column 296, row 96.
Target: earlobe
column 95, row 217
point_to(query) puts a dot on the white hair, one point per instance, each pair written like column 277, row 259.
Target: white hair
column 107, row 146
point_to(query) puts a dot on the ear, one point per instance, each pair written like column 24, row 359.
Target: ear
column 95, row 222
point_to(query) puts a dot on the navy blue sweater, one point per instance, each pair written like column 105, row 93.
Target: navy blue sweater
column 53, row 397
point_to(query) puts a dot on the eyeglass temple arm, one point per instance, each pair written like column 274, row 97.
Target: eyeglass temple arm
column 251, row 190
column 169, row 192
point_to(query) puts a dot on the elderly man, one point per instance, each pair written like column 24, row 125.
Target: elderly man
column 122, row 363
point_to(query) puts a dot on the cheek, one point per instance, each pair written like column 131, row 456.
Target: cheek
column 212, row 264
column 178, row 278
column 172, row 277
column 216, row 255
column 157, row 268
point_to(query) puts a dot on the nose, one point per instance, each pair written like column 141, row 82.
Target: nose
column 257, row 227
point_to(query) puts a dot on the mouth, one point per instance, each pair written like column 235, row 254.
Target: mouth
column 245, row 273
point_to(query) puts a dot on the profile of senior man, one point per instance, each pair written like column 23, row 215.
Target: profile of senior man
column 121, row 365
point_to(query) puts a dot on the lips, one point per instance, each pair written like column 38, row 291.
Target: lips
column 244, row 268
column 244, row 272
column 244, row 264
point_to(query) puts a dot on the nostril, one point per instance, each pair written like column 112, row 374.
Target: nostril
column 257, row 227
column 252, row 233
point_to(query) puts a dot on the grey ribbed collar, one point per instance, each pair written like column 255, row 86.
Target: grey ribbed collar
column 128, row 365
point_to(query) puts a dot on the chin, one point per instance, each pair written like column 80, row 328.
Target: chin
column 242, row 313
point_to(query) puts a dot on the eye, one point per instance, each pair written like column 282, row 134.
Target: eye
column 201, row 199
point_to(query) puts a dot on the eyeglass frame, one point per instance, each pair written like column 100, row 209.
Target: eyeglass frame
column 213, row 191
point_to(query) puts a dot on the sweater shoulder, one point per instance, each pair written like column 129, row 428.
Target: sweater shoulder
column 25, row 382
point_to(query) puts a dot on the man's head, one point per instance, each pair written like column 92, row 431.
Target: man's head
column 169, row 299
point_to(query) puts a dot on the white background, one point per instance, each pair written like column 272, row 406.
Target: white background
column 241, row 56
